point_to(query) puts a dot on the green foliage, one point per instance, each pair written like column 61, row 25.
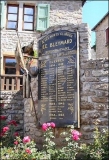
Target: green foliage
column 7, row 138
column 14, row 148
column 18, row 152
column 99, row 149
column 68, row 150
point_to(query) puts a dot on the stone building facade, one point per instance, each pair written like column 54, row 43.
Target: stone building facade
column 58, row 12
column 66, row 15
column 101, row 30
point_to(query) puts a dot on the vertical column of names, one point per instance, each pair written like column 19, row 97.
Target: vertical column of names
column 52, row 89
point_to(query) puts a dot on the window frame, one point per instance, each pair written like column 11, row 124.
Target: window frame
column 16, row 67
column 11, row 82
column 28, row 6
column 107, row 35
column 17, row 21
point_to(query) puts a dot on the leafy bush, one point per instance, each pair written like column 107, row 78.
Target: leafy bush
column 23, row 150
column 70, row 145
column 15, row 148
column 99, row 149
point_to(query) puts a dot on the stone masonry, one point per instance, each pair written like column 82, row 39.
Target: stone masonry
column 61, row 12
column 93, row 91
column 14, row 108
column 102, row 49
column 93, row 75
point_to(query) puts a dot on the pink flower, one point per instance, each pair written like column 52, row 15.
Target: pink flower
column 5, row 129
column 28, row 151
column 13, row 122
column 26, row 139
column 49, row 124
column 3, row 117
column 16, row 142
column 53, row 125
column 75, row 137
column 74, row 132
column 16, row 134
column 44, row 127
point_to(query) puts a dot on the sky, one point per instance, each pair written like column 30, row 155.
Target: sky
column 93, row 12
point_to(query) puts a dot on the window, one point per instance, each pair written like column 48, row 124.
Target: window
column 107, row 35
column 10, row 66
column 28, row 18
column 13, row 75
column 12, row 16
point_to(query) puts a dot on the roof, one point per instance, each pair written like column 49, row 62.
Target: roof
column 100, row 21
column 83, row 2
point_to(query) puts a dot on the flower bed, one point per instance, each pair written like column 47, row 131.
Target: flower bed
column 13, row 147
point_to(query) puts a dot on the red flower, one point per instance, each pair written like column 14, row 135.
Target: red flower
column 13, row 122
column 16, row 134
column 5, row 129
column 44, row 127
column 3, row 117
column 1, row 134
column 26, row 139
column 16, row 142
column 28, row 151
column 75, row 137
column 53, row 125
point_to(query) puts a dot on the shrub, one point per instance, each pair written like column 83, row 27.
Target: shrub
column 22, row 150
column 99, row 149
column 70, row 146
column 15, row 148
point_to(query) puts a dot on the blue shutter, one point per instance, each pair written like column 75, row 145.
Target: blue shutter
column 2, row 4
column 43, row 17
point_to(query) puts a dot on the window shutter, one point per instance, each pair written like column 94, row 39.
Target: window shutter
column 107, row 35
column 43, row 17
column 2, row 3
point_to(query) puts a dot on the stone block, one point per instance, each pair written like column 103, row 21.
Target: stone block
column 93, row 115
column 86, row 106
column 84, row 98
column 104, row 79
column 99, row 73
column 100, row 86
column 104, row 114
column 88, row 128
column 88, row 93
column 85, row 121
column 90, row 79
column 86, row 86
column 87, row 136
column 90, row 64
column 102, row 121
column 100, row 106
column 100, row 99
column 87, row 73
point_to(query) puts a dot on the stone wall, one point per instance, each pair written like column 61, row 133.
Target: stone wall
column 101, row 47
column 94, row 96
column 61, row 12
column 14, row 108
column 30, row 124
column 93, row 102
